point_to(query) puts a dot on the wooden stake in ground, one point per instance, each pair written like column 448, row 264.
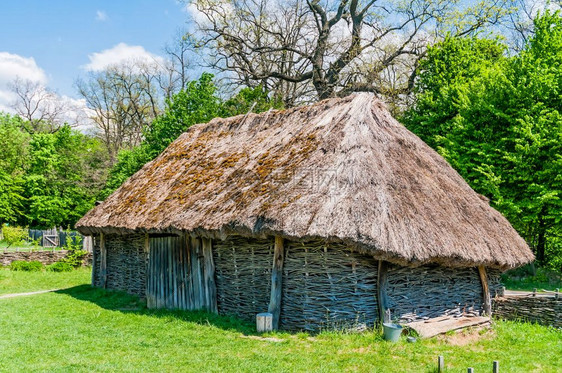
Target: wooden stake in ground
column 440, row 364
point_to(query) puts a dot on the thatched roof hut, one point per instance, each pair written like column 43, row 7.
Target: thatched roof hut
column 342, row 171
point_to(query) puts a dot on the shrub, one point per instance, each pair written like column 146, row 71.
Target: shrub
column 59, row 267
column 14, row 235
column 75, row 256
column 20, row 265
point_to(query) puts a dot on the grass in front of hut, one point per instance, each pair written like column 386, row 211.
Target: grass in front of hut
column 21, row 282
column 86, row 329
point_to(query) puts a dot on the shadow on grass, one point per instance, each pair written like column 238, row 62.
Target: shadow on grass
column 122, row 302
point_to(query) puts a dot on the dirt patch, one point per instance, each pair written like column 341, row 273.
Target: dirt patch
column 468, row 336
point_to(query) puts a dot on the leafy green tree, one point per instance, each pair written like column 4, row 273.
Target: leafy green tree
column 197, row 103
column 59, row 187
column 498, row 121
column 453, row 112
column 11, row 199
column 14, row 144
column 533, row 103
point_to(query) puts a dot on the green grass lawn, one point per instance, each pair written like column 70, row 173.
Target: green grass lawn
column 85, row 329
column 21, row 282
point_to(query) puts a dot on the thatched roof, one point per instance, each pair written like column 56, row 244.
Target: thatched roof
column 342, row 169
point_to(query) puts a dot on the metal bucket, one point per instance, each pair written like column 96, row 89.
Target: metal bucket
column 392, row 331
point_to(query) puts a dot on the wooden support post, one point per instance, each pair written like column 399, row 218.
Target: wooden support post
column 147, row 271
column 103, row 261
column 496, row 367
column 94, row 257
column 277, row 281
column 264, row 322
column 440, row 364
column 485, row 290
column 209, row 276
column 381, row 290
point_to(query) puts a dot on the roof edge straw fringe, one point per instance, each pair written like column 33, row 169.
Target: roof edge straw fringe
column 342, row 170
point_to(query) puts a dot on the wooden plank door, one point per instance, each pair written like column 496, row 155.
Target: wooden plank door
column 180, row 275
column 167, row 274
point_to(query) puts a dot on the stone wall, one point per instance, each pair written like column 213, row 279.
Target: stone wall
column 542, row 309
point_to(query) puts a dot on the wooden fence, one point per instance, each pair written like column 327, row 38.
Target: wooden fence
column 53, row 238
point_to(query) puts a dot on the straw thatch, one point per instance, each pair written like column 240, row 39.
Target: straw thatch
column 342, row 170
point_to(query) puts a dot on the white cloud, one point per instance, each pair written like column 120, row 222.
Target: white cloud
column 101, row 16
column 25, row 69
column 120, row 54
column 14, row 66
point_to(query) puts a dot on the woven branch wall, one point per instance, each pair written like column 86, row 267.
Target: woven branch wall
column 494, row 281
column 324, row 286
column 243, row 275
column 327, row 287
column 431, row 291
column 126, row 263
column 544, row 310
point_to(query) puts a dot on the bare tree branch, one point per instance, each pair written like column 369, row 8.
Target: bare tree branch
column 309, row 49
column 43, row 109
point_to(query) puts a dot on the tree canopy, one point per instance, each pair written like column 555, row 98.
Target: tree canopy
column 47, row 179
column 498, row 121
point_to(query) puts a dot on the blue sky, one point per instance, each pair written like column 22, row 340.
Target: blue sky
column 55, row 41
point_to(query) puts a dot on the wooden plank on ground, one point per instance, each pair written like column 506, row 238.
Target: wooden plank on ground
column 432, row 327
